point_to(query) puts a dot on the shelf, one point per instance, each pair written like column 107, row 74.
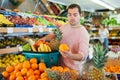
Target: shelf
column 108, row 37
column 109, row 28
column 110, row 46
column 21, row 30
column 114, row 38
column 10, row 50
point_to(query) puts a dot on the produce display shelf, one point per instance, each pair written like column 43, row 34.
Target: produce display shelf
column 18, row 30
column 10, row 50
column 114, row 38
column 109, row 28
column 97, row 37
column 110, row 46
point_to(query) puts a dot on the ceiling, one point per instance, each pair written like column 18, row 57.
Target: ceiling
column 89, row 5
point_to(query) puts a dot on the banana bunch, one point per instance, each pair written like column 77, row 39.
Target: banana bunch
column 44, row 48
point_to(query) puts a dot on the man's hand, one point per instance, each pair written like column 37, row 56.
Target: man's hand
column 66, row 54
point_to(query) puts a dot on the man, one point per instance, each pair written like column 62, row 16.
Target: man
column 76, row 36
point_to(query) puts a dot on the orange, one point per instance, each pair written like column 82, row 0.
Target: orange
column 64, row 47
column 33, row 60
column 32, row 77
column 66, row 69
column 42, row 67
column 30, row 72
column 37, row 72
column 18, row 74
column 12, row 77
column 45, row 78
column 5, row 74
column 54, row 68
column 26, row 64
column 9, row 68
column 23, row 71
column 39, row 42
column 37, row 76
column 25, row 78
column 34, row 66
column 43, row 75
column 19, row 66
column 16, row 70
column 47, row 43
column 19, row 78
column 60, row 68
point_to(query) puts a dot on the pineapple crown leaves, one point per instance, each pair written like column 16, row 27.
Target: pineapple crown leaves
column 99, row 50
column 57, row 33
column 53, row 75
column 99, row 56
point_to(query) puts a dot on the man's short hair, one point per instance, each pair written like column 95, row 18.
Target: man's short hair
column 74, row 6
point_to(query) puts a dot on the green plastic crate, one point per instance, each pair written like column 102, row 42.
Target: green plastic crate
column 50, row 59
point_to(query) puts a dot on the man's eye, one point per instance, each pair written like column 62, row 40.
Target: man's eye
column 75, row 15
column 69, row 15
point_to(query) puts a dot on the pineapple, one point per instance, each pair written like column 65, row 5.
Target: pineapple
column 69, row 75
column 53, row 75
column 99, row 58
column 54, row 43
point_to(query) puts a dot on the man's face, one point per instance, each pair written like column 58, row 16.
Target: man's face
column 73, row 16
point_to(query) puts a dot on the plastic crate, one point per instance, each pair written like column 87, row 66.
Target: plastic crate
column 50, row 59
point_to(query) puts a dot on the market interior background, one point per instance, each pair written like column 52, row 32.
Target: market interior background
column 94, row 12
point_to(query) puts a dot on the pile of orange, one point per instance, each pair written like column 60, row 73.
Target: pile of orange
column 112, row 69
column 28, row 70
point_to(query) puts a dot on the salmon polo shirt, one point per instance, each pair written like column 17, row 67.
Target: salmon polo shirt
column 78, row 41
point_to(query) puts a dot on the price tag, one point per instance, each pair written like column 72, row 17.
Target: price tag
column 93, row 28
column 20, row 48
column 113, row 37
column 9, row 30
column 41, row 30
column 30, row 30
column 50, row 29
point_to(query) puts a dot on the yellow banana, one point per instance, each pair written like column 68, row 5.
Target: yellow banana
column 45, row 48
column 42, row 47
column 39, row 49
column 49, row 49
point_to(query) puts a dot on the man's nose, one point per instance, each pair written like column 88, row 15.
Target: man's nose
column 72, row 16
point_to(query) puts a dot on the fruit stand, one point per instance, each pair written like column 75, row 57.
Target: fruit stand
column 40, row 61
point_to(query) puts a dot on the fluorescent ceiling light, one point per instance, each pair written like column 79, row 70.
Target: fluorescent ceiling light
column 89, row 10
column 55, row 1
column 103, row 4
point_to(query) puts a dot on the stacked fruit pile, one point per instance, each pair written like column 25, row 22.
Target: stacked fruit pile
column 32, row 70
column 23, row 22
column 115, row 49
column 41, row 47
column 11, row 42
column 45, row 46
column 11, row 59
column 112, row 65
column 4, row 21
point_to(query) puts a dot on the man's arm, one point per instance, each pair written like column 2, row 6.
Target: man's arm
column 76, row 56
column 47, row 37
